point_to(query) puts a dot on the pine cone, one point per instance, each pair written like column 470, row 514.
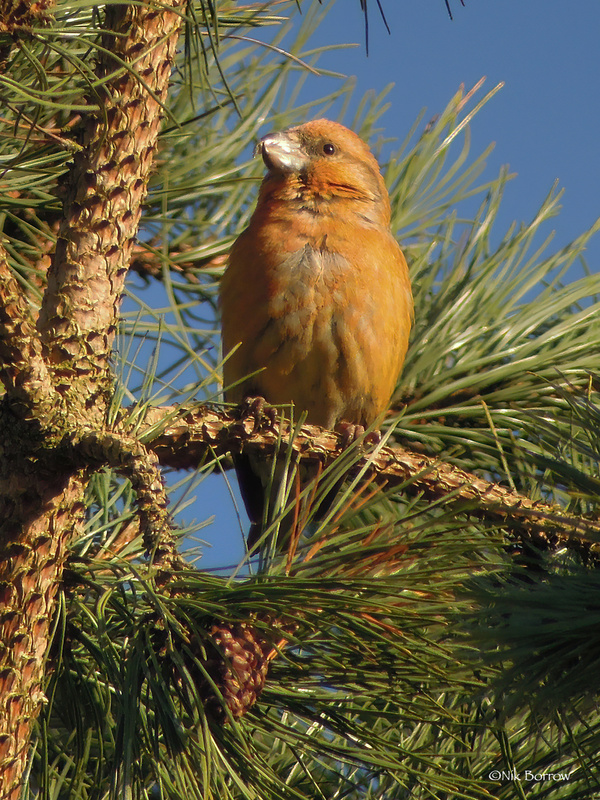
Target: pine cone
column 240, row 668
column 231, row 656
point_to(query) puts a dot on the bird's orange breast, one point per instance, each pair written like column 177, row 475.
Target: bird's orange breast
column 319, row 306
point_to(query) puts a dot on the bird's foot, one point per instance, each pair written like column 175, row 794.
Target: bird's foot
column 350, row 433
column 263, row 414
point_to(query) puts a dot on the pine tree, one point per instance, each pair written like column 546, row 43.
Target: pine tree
column 436, row 635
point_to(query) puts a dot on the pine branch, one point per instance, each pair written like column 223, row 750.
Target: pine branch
column 133, row 460
column 68, row 357
column 151, row 263
column 106, row 188
column 23, row 370
column 191, row 436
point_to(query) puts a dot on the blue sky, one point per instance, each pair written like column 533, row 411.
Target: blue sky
column 545, row 121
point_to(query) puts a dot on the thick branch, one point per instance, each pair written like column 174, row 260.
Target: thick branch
column 106, row 188
column 50, row 510
column 186, row 441
column 41, row 508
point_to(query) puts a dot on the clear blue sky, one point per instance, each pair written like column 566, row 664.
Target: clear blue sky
column 545, row 121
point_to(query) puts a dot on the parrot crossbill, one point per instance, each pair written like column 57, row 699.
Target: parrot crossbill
column 316, row 300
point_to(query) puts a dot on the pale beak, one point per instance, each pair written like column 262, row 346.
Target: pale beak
column 282, row 152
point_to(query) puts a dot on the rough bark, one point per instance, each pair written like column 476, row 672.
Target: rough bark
column 190, row 437
column 58, row 378
column 104, row 198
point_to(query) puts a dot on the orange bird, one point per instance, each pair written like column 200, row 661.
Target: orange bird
column 316, row 297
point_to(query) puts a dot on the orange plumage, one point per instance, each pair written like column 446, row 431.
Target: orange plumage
column 317, row 295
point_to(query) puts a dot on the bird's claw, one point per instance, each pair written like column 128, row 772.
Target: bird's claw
column 350, row 433
column 261, row 413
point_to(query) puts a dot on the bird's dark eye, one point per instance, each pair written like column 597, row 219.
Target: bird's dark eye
column 328, row 149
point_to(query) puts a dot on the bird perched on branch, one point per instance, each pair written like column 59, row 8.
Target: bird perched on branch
column 316, row 297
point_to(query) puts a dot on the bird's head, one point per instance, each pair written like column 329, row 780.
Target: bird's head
column 323, row 159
